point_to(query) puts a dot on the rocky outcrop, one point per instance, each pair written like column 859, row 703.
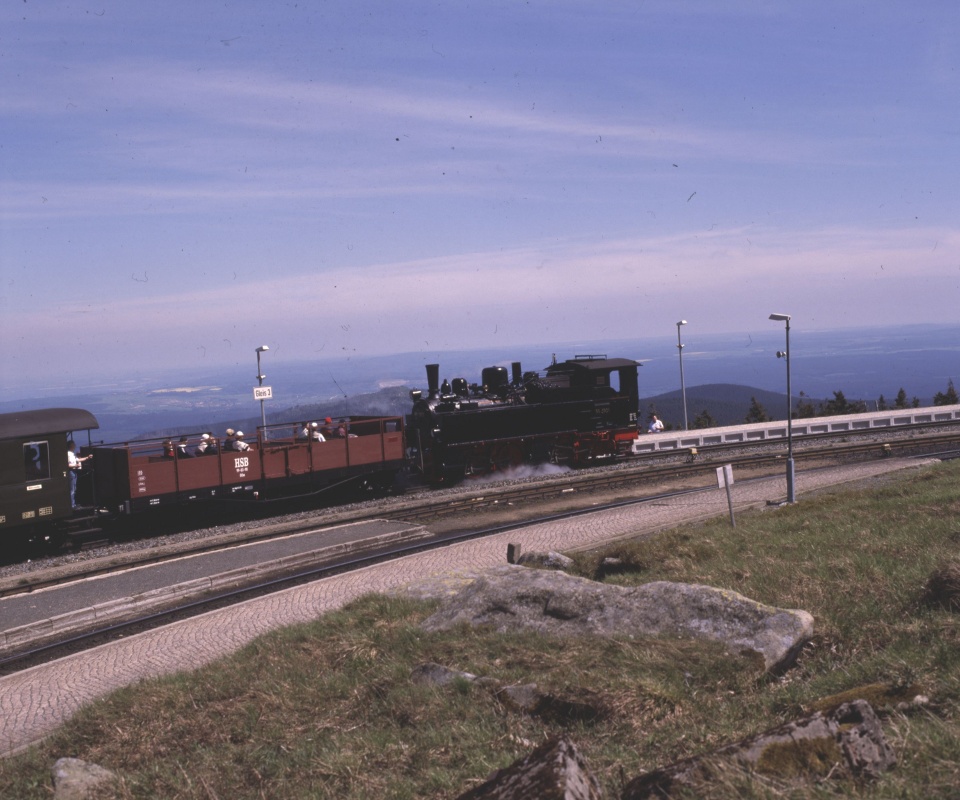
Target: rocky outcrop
column 554, row 771
column 76, row 779
column 846, row 743
column 512, row 598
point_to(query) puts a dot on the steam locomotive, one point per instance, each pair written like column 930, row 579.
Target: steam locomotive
column 579, row 411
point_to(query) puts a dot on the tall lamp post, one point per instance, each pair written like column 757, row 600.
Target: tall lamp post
column 791, row 495
column 683, row 389
column 260, row 377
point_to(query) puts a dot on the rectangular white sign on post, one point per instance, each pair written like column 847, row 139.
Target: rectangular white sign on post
column 262, row 392
column 725, row 481
column 725, row 476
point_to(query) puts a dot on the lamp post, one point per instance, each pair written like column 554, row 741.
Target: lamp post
column 260, row 377
column 791, row 495
column 683, row 389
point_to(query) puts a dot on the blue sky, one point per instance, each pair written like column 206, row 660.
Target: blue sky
column 184, row 181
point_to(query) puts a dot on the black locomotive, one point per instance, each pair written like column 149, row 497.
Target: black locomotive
column 577, row 412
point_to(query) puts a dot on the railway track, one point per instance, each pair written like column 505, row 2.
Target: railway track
column 692, row 470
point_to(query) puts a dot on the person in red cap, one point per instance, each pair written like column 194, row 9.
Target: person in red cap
column 327, row 429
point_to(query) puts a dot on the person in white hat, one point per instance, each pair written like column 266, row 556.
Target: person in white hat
column 238, row 443
column 204, row 446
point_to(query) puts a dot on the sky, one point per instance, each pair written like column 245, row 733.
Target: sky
column 181, row 182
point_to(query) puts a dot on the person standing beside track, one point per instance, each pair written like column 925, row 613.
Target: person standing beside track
column 655, row 426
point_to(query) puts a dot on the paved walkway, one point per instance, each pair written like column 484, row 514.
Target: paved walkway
column 35, row 702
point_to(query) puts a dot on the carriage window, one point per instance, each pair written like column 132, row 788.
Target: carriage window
column 36, row 461
column 23, row 462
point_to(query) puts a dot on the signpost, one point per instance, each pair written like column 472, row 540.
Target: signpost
column 261, row 392
column 725, row 480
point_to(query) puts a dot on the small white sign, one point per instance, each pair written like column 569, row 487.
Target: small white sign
column 725, row 476
column 262, row 392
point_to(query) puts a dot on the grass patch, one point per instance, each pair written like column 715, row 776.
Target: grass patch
column 328, row 709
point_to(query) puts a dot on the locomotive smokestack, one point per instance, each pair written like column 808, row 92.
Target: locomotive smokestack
column 433, row 379
column 517, row 374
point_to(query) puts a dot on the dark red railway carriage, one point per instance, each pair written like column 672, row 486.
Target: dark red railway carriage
column 136, row 476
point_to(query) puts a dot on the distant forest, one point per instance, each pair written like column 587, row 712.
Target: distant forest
column 719, row 404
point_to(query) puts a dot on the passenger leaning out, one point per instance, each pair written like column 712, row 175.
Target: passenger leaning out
column 74, row 463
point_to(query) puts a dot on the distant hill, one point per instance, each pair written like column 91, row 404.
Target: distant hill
column 727, row 403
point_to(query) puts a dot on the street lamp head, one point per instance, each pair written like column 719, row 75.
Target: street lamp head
column 261, row 348
column 681, row 322
column 780, row 317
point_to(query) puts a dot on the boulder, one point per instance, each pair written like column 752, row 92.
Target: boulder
column 554, row 771
column 548, row 560
column 846, row 743
column 512, row 598
column 76, row 779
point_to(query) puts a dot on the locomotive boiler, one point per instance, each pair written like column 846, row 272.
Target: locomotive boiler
column 577, row 412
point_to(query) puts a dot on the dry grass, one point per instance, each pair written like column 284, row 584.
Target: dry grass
column 328, row 709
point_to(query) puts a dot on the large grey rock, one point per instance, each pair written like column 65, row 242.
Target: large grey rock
column 514, row 598
column 76, row 779
column 846, row 743
column 554, row 771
